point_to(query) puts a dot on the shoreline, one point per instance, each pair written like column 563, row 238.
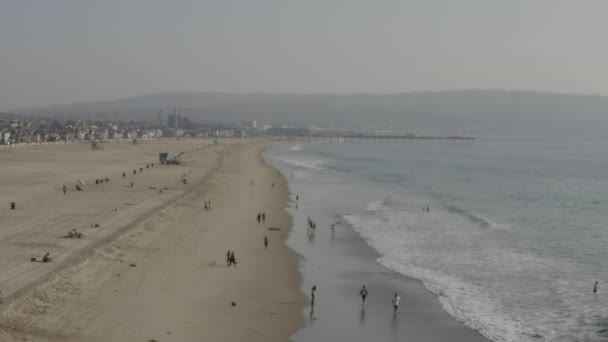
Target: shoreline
column 339, row 264
column 162, row 277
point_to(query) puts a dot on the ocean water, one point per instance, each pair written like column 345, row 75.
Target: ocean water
column 515, row 237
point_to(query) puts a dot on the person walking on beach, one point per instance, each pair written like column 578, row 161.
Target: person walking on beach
column 363, row 294
column 396, row 302
column 65, row 189
column 259, row 217
column 265, row 242
column 263, row 217
column 312, row 294
column 232, row 259
column 596, row 287
column 228, row 258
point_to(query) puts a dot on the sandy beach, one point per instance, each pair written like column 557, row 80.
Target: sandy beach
column 155, row 268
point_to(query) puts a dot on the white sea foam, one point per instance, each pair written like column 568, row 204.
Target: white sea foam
column 306, row 163
column 512, row 254
column 475, row 285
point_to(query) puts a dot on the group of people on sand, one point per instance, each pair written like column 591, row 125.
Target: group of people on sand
column 102, row 180
column 74, row 234
column 261, row 217
column 230, row 259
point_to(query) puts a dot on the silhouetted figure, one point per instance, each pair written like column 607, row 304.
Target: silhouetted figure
column 65, row 189
column 265, row 242
column 312, row 295
column 363, row 294
column 596, row 287
column 259, row 217
column 263, row 217
column 46, row 257
column 228, row 258
column 232, row 259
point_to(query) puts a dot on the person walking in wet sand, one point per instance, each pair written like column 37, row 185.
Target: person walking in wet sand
column 265, row 242
column 228, row 258
column 65, row 189
column 259, row 217
column 312, row 295
column 396, row 302
column 363, row 294
column 596, row 287
column 263, row 217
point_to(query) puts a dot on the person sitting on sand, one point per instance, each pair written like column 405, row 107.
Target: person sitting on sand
column 46, row 257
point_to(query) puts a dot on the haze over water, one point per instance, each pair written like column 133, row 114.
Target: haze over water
column 516, row 233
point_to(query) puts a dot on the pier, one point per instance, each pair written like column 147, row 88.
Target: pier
column 370, row 139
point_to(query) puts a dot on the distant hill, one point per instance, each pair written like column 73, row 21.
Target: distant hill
column 475, row 112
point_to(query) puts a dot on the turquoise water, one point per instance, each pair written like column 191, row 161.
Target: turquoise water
column 515, row 237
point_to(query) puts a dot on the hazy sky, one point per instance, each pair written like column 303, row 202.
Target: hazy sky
column 60, row 51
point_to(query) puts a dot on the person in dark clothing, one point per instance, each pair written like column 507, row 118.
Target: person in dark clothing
column 363, row 293
column 265, row 242
column 232, row 259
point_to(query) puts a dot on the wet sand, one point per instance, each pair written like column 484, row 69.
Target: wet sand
column 339, row 264
column 155, row 268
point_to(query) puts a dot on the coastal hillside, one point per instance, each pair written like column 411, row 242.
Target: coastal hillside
column 475, row 112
